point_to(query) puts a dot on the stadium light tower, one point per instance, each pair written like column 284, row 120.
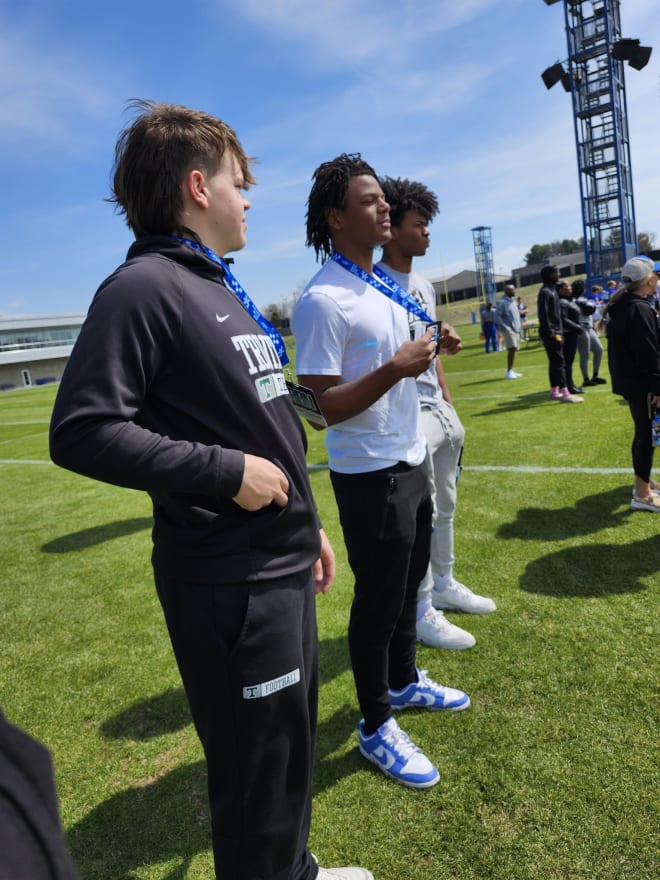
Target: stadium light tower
column 483, row 259
column 595, row 78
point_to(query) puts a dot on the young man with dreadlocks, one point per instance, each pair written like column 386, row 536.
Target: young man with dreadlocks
column 355, row 353
column 412, row 207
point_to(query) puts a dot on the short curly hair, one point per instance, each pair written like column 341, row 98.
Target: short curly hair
column 329, row 189
column 405, row 195
column 547, row 272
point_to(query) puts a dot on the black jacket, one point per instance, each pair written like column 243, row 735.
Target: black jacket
column 32, row 844
column 548, row 312
column 169, row 384
column 633, row 350
column 570, row 316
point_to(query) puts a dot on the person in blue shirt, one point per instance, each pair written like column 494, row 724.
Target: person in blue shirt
column 489, row 327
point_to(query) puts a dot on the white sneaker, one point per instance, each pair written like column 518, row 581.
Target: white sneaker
column 511, row 374
column 436, row 631
column 651, row 503
column 449, row 594
column 345, row 873
column 391, row 750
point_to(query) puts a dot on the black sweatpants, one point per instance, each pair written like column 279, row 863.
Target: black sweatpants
column 248, row 657
column 556, row 367
column 642, row 449
column 386, row 520
column 569, row 349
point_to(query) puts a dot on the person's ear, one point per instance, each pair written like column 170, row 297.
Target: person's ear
column 334, row 219
column 195, row 188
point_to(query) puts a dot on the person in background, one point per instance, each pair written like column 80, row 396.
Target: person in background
column 509, row 324
column 175, row 386
column 489, row 327
column 570, row 316
column 523, row 310
column 551, row 333
column 611, row 287
column 597, row 297
column 353, row 350
column 656, row 295
column 412, row 208
column 633, row 354
column 588, row 341
column 32, row 842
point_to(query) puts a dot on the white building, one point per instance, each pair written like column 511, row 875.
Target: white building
column 34, row 350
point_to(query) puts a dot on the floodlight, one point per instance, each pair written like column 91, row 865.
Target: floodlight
column 550, row 2
column 552, row 75
column 629, row 50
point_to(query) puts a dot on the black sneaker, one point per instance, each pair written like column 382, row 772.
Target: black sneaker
column 598, row 381
column 587, row 383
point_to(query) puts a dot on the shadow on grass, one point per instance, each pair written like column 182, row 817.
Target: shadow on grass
column 496, row 380
column 167, row 820
column 97, row 535
column 585, row 570
column 590, row 571
column 334, row 658
column 164, row 820
column 332, row 761
column 588, row 515
column 165, row 713
column 517, row 404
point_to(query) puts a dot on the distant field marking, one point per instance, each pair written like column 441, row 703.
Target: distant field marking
column 23, row 437
column 519, row 469
column 24, row 461
column 482, row 468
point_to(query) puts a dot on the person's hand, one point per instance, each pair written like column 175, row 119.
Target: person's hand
column 324, row 567
column 263, row 484
column 415, row 357
column 450, row 341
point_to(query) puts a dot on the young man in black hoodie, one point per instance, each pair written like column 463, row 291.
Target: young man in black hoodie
column 175, row 386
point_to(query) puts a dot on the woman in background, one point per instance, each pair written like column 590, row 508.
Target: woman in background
column 570, row 318
column 634, row 361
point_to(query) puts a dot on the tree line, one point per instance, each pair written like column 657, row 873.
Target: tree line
column 544, row 253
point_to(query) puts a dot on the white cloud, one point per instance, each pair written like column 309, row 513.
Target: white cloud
column 337, row 32
column 45, row 94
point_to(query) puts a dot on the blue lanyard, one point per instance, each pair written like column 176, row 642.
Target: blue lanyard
column 240, row 292
column 386, row 285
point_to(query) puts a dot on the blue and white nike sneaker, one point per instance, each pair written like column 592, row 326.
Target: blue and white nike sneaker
column 426, row 694
column 392, row 752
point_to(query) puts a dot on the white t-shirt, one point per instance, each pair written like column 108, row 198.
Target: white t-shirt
column 421, row 290
column 345, row 327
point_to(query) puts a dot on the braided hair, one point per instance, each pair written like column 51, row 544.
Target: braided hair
column 405, row 195
column 328, row 192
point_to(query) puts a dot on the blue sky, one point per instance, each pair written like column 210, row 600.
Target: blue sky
column 441, row 91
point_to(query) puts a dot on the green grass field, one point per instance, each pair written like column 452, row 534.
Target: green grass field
column 552, row 774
